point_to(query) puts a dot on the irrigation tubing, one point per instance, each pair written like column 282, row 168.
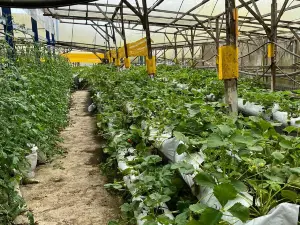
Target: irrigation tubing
column 269, row 75
column 298, row 56
column 288, row 76
column 253, row 51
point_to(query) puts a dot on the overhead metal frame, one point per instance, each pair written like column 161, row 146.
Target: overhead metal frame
column 207, row 30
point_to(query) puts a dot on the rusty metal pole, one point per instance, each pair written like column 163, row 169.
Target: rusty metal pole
column 192, row 45
column 115, row 42
column 273, row 38
column 202, row 54
column 182, row 56
column 231, row 97
column 175, row 49
column 217, row 42
column 123, row 33
column 295, row 59
column 147, row 29
column 108, row 42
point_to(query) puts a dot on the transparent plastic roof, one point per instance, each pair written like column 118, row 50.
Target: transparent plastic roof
column 85, row 22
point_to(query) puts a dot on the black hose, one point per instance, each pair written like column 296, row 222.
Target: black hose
column 40, row 3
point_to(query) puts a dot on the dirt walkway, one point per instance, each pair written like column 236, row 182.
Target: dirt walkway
column 71, row 189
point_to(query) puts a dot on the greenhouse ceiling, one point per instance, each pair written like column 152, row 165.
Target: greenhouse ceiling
column 184, row 18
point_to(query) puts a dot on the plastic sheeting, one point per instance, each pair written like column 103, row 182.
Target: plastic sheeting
column 254, row 109
column 32, row 160
column 283, row 214
column 125, row 155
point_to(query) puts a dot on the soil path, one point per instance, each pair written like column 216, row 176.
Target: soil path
column 70, row 189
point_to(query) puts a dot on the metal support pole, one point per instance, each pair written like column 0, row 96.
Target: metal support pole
column 273, row 38
column 230, row 85
column 53, row 43
column 175, row 48
column 165, row 59
column 35, row 29
column 148, row 37
column 264, row 60
column 202, row 54
column 182, row 56
column 8, row 27
column 108, row 42
column 115, row 43
column 123, row 32
column 192, row 45
column 217, row 43
column 295, row 50
column 48, row 41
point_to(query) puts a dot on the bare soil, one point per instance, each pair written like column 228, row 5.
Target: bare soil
column 70, row 189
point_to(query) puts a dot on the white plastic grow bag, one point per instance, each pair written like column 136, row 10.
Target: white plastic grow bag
column 205, row 194
column 32, row 160
column 129, row 180
column 254, row 109
column 283, row 214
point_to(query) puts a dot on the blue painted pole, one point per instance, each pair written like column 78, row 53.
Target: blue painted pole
column 35, row 29
column 48, row 38
column 48, row 42
column 8, row 28
column 53, row 43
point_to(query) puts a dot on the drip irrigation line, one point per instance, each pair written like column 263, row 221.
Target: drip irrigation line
column 179, row 8
column 298, row 56
column 253, row 51
column 211, row 15
column 256, row 74
column 206, row 60
column 269, row 75
column 284, row 52
column 288, row 76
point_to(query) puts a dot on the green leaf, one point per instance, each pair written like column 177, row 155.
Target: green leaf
column 163, row 219
column 116, row 186
column 214, row 140
column 278, row 156
column 181, row 148
column 240, row 211
column 211, row 216
column 290, row 129
column 239, row 186
column 183, row 167
column 243, row 139
column 258, row 162
column 225, row 192
column 286, row 144
column 181, row 219
column 204, row 179
column 290, row 195
column 194, row 222
column 149, row 222
column 294, row 180
column 225, row 130
column 295, row 170
column 113, row 222
column 198, row 208
column 181, row 137
column 256, row 148
column 126, row 207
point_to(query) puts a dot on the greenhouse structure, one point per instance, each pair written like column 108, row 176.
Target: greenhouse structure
column 158, row 112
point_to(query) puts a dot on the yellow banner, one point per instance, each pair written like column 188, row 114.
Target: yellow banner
column 84, row 57
column 138, row 48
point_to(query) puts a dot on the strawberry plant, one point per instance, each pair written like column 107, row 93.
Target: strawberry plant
column 34, row 102
column 246, row 166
